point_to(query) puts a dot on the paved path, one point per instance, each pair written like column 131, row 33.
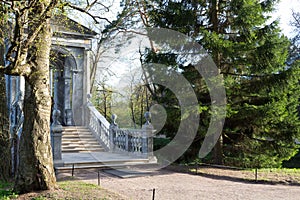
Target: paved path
column 180, row 186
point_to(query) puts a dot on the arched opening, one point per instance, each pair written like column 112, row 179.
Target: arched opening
column 62, row 65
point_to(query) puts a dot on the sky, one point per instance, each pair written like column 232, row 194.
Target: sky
column 284, row 12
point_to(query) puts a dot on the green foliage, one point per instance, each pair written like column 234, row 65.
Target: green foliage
column 159, row 143
column 250, row 52
column 6, row 192
column 102, row 99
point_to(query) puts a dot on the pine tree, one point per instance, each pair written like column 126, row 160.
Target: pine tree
column 250, row 52
column 294, row 62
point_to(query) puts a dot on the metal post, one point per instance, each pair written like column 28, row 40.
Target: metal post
column 153, row 194
column 99, row 183
column 73, row 170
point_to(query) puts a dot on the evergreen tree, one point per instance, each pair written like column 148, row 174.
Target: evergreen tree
column 250, row 52
column 294, row 62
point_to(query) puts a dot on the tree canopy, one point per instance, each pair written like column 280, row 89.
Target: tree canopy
column 250, row 52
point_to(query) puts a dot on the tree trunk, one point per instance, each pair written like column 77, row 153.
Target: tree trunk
column 218, row 151
column 218, row 148
column 35, row 170
column 5, row 156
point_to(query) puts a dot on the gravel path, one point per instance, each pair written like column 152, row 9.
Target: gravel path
column 171, row 185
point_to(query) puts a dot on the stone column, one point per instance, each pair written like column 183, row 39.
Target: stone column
column 56, row 136
column 86, row 84
column 147, row 145
column 112, row 132
column 87, row 116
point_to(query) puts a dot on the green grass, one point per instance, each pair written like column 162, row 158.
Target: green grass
column 69, row 189
column 77, row 186
column 6, row 192
column 279, row 170
column 267, row 175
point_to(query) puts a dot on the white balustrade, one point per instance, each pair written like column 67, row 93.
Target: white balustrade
column 99, row 126
column 114, row 139
column 130, row 140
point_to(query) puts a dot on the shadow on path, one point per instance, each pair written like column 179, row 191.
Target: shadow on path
column 198, row 172
column 227, row 176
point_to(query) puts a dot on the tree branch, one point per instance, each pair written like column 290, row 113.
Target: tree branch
column 245, row 75
column 84, row 10
column 18, row 51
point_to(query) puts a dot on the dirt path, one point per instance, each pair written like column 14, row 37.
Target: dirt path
column 173, row 185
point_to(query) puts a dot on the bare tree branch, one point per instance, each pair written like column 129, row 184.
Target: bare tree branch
column 86, row 11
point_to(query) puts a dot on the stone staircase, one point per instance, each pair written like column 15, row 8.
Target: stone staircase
column 81, row 150
column 79, row 139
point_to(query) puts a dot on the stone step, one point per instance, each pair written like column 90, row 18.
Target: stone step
column 74, row 127
column 78, row 136
column 85, row 146
column 71, row 130
column 77, row 139
column 81, row 142
column 85, row 142
column 77, row 149
column 77, row 131
column 70, row 139
column 84, row 150
column 82, row 147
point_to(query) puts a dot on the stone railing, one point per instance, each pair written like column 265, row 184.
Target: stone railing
column 133, row 141
column 138, row 142
column 130, row 141
column 99, row 127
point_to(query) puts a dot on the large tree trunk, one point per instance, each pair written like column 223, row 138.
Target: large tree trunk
column 5, row 156
column 35, row 171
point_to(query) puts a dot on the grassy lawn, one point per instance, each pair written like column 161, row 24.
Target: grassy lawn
column 6, row 192
column 276, row 176
column 283, row 175
column 269, row 175
column 69, row 189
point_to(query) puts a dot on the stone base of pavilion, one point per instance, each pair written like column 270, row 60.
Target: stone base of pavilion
column 101, row 160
